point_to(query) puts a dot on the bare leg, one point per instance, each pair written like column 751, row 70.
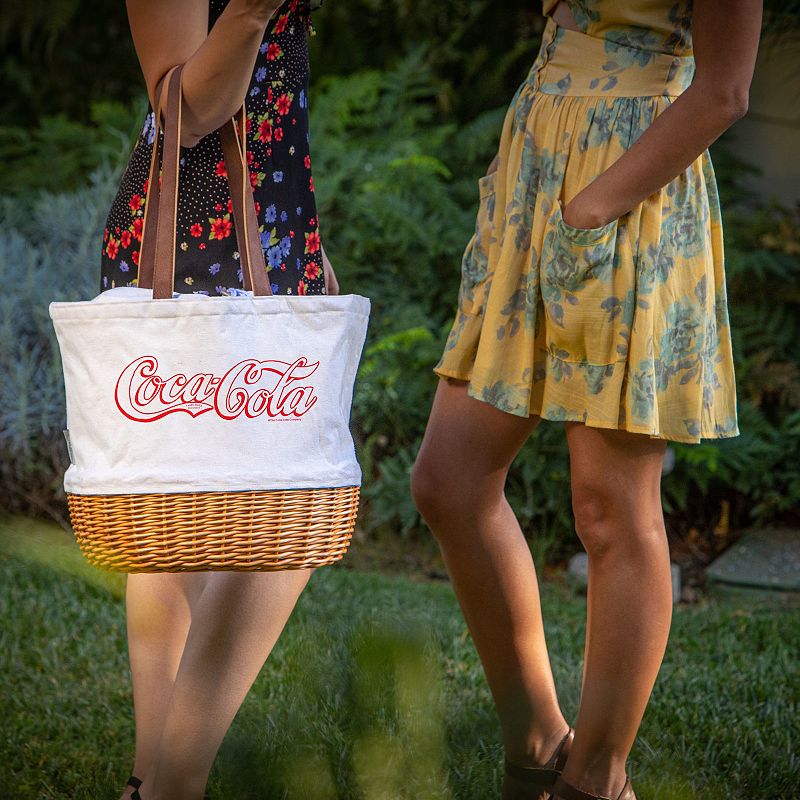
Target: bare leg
column 616, row 478
column 458, row 485
column 235, row 624
column 158, row 616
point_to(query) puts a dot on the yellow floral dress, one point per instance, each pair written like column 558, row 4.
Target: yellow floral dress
column 623, row 326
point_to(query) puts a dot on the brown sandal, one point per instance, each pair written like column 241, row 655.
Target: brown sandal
column 565, row 791
column 536, row 783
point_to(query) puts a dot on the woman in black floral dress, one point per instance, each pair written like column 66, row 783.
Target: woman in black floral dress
column 278, row 155
column 197, row 641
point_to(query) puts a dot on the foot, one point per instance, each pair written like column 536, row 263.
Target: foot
column 532, row 779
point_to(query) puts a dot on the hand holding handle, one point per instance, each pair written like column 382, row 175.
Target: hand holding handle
column 157, row 259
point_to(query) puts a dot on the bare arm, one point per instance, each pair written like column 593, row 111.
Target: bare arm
column 726, row 35
column 219, row 63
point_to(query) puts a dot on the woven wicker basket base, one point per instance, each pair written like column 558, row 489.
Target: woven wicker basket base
column 238, row 531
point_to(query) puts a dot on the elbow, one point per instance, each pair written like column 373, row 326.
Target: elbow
column 189, row 138
column 731, row 103
column 736, row 105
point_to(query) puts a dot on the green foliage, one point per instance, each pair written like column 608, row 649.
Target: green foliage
column 49, row 250
column 60, row 153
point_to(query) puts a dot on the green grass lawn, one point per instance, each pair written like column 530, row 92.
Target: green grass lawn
column 375, row 692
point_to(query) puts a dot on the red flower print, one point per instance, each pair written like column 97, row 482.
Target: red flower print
column 284, row 104
column 218, row 207
column 125, row 238
column 312, row 222
column 258, row 207
column 145, row 185
column 249, row 156
column 278, row 134
column 301, row 287
column 135, row 257
column 254, row 181
column 105, row 235
column 202, row 245
column 273, row 51
column 138, row 225
column 220, row 227
column 311, row 184
column 269, row 94
column 135, row 203
column 196, row 230
column 307, row 162
column 280, row 25
column 222, row 172
column 112, row 248
column 265, row 131
column 230, row 206
column 312, row 242
column 312, row 270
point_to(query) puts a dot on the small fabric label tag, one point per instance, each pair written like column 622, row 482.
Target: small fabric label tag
column 69, row 446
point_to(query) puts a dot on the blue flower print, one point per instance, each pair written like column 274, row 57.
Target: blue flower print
column 275, row 288
column 123, row 265
column 270, row 213
column 215, row 268
column 299, row 210
column 274, row 256
column 265, row 240
column 286, row 245
column 277, row 176
column 261, row 73
column 284, row 216
column 302, row 98
column 254, row 91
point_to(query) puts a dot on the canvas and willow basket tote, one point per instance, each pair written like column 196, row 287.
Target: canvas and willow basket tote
column 209, row 433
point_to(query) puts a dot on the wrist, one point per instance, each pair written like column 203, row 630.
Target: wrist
column 583, row 212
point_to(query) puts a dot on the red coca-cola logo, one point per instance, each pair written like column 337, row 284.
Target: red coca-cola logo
column 252, row 387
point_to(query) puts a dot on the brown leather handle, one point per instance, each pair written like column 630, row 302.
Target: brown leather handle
column 157, row 257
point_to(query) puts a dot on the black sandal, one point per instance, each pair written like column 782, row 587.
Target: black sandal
column 538, row 782
column 136, row 783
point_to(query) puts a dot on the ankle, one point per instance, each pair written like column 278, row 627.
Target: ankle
column 604, row 777
column 539, row 746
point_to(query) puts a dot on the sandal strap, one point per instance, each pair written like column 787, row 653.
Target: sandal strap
column 542, row 777
column 134, row 781
column 562, row 751
column 135, row 795
column 565, row 791
column 537, row 777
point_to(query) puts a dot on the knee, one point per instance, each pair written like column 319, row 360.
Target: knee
column 434, row 492
column 606, row 522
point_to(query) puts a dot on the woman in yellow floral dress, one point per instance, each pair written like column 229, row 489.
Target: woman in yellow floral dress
column 592, row 293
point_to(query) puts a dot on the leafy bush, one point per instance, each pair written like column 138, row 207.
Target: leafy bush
column 49, row 250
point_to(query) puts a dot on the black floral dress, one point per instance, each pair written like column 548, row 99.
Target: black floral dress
column 207, row 261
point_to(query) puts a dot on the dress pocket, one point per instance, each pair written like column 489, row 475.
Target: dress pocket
column 583, row 293
column 475, row 262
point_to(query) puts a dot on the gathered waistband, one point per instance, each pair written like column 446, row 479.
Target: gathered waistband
column 574, row 63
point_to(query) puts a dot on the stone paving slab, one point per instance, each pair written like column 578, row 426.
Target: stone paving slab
column 766, row 559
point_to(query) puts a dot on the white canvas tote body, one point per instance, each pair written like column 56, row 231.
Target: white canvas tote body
column 178, row 393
